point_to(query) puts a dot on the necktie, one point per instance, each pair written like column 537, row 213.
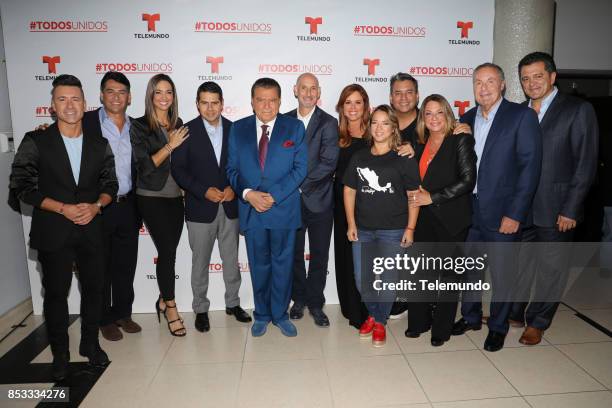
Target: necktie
column 263, row 145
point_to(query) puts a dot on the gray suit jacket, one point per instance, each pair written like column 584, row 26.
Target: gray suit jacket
column 569, row 160
column 323, row 150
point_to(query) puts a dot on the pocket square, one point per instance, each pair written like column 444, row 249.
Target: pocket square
column 288, row 143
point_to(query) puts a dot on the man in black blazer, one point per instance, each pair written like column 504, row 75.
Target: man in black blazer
column 211, row 209
column 68, row 175
column 121, row 220
column 317, row 201
column 569, row 165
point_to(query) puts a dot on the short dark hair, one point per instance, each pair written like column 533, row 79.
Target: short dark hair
column 266, row 83
column 402, row 76
column 538, row 56
column 115, row 76
column 211, row 87
column 496, row 67
column 66, row 80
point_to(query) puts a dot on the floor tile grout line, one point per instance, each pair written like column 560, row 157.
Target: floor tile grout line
column 246, row 340
column 580, row 366
column 416, row 377
column 566, row 393
column 324, row 360
column 497, row 368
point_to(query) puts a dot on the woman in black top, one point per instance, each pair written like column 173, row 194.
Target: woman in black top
column 354, row 113
column 447, row 167
column 160, row 202
column 376, row 204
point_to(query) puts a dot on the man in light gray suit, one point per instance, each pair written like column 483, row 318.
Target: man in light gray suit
column 317, row 201
column 569, row 164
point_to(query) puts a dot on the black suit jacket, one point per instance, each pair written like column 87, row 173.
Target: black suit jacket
column 145, row 143
column 42, row 169
column 195, row 170
column 323, row 150
column 570, row 140
column 450, row 180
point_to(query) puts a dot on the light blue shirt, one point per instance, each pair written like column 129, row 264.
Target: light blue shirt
column 482, row 126
column 121, row 146
column 74, row 148
column 545, row 103
column 216, row 137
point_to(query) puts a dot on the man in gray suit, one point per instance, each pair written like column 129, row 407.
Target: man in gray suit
column 569, row 164
column 317, row 201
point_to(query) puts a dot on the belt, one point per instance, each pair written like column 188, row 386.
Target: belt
column 123, row 197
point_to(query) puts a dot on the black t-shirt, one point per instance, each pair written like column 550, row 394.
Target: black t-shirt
column 381, row 183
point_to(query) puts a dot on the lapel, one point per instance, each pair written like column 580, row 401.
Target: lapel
column 251, row 141
column 87, row 156
column 63, row 161
column 226, row 129
column 276, row 139
column 496, row 128
column 553, row 110
column 313, row 125
column 439, row 157
column 202, row 134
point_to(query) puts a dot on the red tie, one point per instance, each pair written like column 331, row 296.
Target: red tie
column 263, row 145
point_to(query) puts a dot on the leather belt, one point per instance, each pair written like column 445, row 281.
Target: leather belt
column 123, row 197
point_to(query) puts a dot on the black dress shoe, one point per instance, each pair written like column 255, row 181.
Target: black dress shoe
column 437, row 342
column 461, row 326
column 238, row 313
column 413, row 334
column 59, row 367
column 97, row 357
column 494, row 341
column 297, row 311
column 319, row 316
column 202, row 323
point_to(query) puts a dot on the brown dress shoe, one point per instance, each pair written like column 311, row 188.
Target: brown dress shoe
column 111, row 332
column 128, row 325
column 531, row 336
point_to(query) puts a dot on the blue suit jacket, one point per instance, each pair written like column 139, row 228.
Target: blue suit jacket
column 195, row 169
column 510, row 165
column 285, row 169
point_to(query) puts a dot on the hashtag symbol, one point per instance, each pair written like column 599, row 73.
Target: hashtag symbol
column 38, row 110
column 412, row 70
column 356, row 30
column 198, row 25
column 98, row 67
column 32, row 25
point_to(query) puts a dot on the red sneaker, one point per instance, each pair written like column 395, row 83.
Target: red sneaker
column 366, row 328
column 379, row 336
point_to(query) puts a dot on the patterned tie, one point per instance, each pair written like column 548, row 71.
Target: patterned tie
column 263, row 145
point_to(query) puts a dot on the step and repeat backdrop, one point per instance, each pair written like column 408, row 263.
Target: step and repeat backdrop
column 233, row 43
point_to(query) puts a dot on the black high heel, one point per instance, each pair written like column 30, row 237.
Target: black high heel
column 180, row 319
column 158, row 309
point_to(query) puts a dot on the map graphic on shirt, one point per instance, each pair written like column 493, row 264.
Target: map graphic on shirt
column 370, row 176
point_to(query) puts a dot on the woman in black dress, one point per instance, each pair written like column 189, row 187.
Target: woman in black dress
column 354, row 114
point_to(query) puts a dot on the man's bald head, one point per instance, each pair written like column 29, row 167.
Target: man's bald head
column 307, row 92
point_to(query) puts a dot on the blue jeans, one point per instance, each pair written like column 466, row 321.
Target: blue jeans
column 378, row 309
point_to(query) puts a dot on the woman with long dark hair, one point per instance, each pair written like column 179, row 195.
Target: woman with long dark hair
column 160, row 200
column 353, row 109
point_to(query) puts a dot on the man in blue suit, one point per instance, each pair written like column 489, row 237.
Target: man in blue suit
column 267, row 162
column 509, row 151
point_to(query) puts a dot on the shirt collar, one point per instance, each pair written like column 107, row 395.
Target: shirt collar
column 547, row 100
column 492, row 112
column 270, row 123
column 209, row 127
column 307, row 117
column 104, row 116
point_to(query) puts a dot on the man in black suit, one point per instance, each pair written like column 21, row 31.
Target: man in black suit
column 121, row 220
column 68, row 175
column 317, row 201
column 569, row 165
column 211, row 209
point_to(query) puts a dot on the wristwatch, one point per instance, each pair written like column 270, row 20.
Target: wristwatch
column 99, row 204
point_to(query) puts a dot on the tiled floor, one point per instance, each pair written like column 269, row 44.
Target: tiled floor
column 332, row 367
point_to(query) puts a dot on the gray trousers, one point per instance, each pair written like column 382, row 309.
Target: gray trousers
column 202, row 238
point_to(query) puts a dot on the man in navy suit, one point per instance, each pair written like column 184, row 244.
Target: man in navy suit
column 569, row 166
column 509, row 157
column 266, row 165
column 211, row 211
column 317, row 201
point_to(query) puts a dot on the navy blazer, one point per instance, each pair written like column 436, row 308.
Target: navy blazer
column 322, row 139
column 569, row 163
column 509, row 169
column 284, row 171
column 195, row 170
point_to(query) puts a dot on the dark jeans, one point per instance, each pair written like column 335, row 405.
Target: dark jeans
column 547, row 265
column 86, row 251
column 308, row 288
column 163, row 218
column 121, row 223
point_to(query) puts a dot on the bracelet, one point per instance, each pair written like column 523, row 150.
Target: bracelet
column 168, row 148
column 61, row 209
column 410, row 228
